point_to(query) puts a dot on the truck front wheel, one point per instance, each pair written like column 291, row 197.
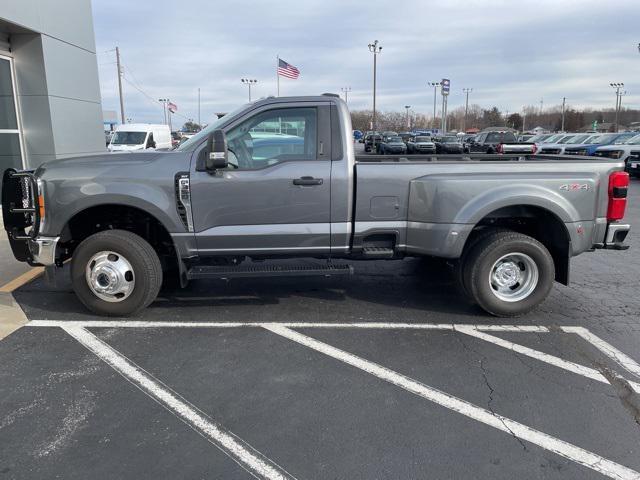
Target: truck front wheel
column 116, row 273
column 508, row 274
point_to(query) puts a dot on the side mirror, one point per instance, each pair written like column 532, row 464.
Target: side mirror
column 218, row 156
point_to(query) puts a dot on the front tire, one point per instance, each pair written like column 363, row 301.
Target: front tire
column 508, row 274
column 116, row 273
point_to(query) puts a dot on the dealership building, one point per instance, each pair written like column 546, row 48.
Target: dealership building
column 49, row 90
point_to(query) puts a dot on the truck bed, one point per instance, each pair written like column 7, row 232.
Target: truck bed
column 471, row 157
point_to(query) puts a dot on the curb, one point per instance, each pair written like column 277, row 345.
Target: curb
column 11, row 315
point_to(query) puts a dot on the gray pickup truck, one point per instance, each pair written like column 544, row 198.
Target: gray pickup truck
column 278, row 178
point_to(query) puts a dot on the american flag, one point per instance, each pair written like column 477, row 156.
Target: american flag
column 287, row 70
column 173, row 108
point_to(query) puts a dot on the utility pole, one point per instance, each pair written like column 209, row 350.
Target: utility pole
column 466, row 91
column 375, row 49
column 249, row 82
column 524, row 119
column 435, row 86
column 120, row 84
column 199, row 124
column 564, row 100
column 346, row 91
column 408, row 123
column 617, row 87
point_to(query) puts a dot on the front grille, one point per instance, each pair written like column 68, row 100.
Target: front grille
column 575, row 151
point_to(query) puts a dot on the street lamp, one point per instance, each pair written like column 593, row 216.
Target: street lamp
column 248, row 82
column 375, row 49
column 408, row 123
column 435, row 86
column 167, row 119
column 466, row 91
column 617, row 87
column 346, row 91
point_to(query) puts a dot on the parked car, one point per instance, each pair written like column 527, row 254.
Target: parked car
column 628, row 152
column 525, row 138
column 212, row 206
column 487, row 142
column 371, row 142
column 392, row 144
column 140, row 136
column 449, row 144
column 421, row 144
column 559, row 147
column 590, row 146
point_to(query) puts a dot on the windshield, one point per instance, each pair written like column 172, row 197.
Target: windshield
column 578, row 139
column 566, row 139
column 633, row 140
column 623, row 138
column 128, row 138
column 204, row 133
column 395, row 139
column 553, row 138
column 596, row 139
column 450, row 139
column 423, row 139
column 539, row 138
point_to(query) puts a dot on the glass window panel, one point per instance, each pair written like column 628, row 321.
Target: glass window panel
column 8, row 118
column 9, row 153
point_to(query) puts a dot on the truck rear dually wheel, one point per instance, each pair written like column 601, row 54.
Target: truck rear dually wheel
column 116, row 273
column 508, row 273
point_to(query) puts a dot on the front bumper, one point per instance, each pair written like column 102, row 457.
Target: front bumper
column 43, row 250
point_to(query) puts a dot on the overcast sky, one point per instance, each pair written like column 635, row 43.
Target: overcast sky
column 512, row 53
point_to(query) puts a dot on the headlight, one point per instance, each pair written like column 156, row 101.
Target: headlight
column 616, row 154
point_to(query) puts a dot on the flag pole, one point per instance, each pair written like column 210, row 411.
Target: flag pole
column 278, row 76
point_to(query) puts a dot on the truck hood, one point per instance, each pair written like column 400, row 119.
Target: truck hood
column 115, row 165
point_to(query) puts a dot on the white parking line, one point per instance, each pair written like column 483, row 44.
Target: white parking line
column 247, row 457
column 616, row 355
column 524, row 432
column 543, row 357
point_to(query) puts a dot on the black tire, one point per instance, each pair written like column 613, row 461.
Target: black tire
column 482, row 256
column 143, row 259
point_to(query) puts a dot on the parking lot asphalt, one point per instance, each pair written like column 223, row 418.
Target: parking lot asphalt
column 388, row 374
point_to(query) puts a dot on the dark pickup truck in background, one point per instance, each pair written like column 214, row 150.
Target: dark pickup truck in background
column 278, row 178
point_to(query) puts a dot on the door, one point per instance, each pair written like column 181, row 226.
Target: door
column 11, row 153
column 274, row 197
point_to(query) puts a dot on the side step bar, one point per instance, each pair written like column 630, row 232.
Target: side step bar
column 378, row 252
column 269, row 271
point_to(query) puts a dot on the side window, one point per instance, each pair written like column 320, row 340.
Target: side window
column 273, row 137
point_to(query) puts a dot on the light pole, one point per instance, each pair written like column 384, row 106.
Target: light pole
column 466, row 91
column 248, row 82
column 408, row 123
column 524, row 119
column 164, row 108
column 617, row 87
column 346, row 91
column 435, row 86
column 564, row 101
column 375, row 49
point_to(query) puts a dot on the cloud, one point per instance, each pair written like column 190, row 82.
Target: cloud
column 511, row 53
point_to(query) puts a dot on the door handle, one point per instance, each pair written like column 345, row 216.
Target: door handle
column 307, row 181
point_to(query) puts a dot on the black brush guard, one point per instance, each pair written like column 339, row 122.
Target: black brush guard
column 20, row 211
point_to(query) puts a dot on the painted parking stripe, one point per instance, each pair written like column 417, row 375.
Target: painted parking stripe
column 543, row 357
column 609, row 350
column 243, row 454
column 22, row 279
column 560, row 447
column 361, row 325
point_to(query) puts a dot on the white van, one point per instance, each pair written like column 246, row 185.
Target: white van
column 140, row 136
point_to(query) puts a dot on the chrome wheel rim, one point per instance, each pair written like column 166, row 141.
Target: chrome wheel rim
column 513, row 277
column 110, row 276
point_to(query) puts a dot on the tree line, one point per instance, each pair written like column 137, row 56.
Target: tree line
column 478, row 117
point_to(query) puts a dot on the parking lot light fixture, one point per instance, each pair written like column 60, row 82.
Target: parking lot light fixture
column 249, row 82
column 374, row 48
column 466, row 91
column 435, row 86
column 408, row 123
column 346, row 91
column 617, row 87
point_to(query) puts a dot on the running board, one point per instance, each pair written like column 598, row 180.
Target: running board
column 378, row 252
column 269, row 271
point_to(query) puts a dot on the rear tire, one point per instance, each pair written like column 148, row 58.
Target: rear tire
column 103, row 285
column 507, row 273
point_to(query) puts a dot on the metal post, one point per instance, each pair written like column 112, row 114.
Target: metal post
column 199, row 124
column 564, row 99
column 524, row 119
column 346, row 91
column 617, row 86
column 443, row 120
column 120, row 84
column 467, row 91
column 277, row 74
column 408, row 123
column 249, row 82
column 375, row 49
column 164, row 109
column 435, row 86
